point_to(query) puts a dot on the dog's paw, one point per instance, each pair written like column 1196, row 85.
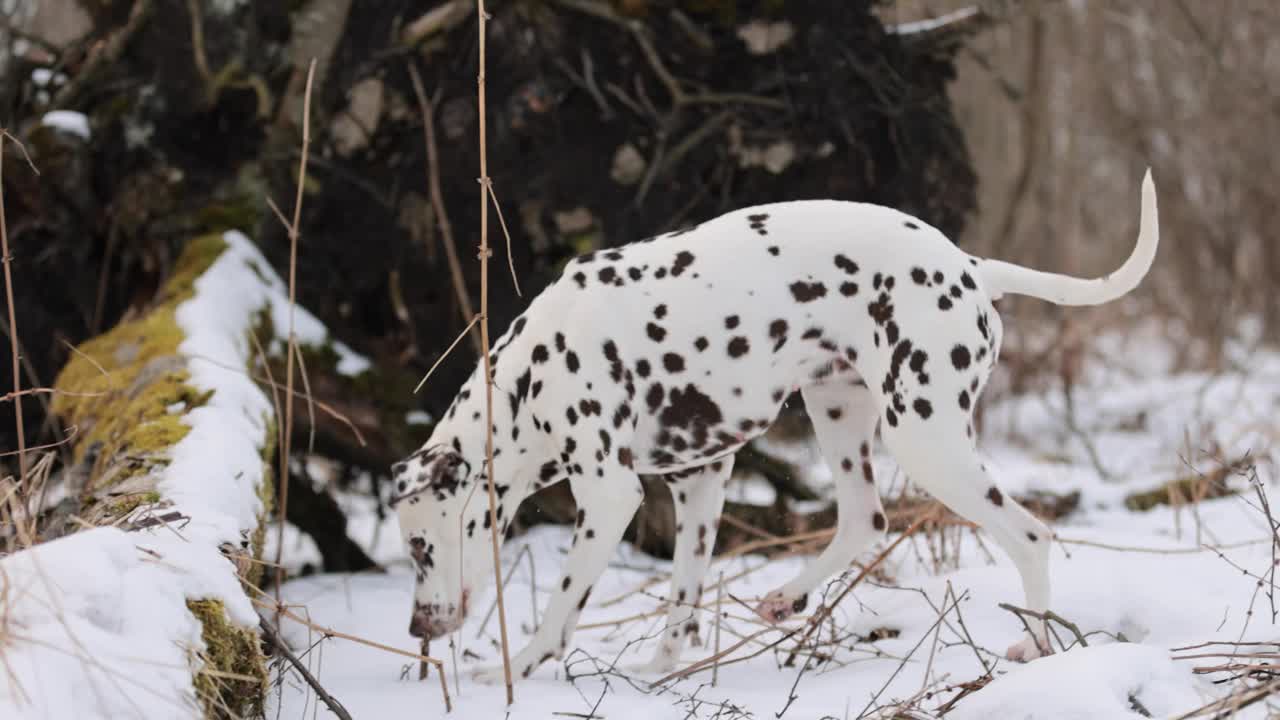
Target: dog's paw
column 775, row 607
column 659, row 666
column 1026, row 650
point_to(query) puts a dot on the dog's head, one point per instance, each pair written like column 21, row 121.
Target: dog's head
column 443, row 509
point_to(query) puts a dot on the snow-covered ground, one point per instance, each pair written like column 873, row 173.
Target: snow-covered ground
column 1138, row 583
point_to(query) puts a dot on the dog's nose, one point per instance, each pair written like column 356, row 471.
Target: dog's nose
column 420, row 624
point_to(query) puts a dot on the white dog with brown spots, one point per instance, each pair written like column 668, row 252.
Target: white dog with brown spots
column 665, row 356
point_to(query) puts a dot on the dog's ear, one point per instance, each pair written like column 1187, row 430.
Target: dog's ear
column 410, row 482
column 449, row 471
column 439, row 472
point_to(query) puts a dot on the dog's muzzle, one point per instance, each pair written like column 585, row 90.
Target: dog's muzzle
column 429, row 623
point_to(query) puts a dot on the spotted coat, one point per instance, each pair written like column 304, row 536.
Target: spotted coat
column 666, row 355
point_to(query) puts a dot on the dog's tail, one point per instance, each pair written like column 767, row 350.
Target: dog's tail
column 1001, row 278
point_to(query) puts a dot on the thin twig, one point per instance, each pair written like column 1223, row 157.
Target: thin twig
column 325, row 697
column 294, row 230
column 484, row 355
column 718, row 659
column 510, row 571
column 941, row 618
column 275, row 400
column 324, row 406
column 715, row 669
column 445, row 354
column 71, row 435
column 13, row 321
column 1162, row 551
column 311, row 403
column 323, row 630
column 511, row 261
column 437, row 203
column 1045, row 617
column 827, row 608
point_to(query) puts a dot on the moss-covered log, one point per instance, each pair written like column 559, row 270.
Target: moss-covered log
column 127, row 394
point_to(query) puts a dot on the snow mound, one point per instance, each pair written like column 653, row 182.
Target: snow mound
column 98, row 627
column 1108, row 681
column 270, row 291
column 67, row 121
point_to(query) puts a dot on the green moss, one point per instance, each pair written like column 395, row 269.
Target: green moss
column 118, row 389
column 232, row 681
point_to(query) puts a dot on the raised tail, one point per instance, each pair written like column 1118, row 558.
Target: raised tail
column 1002, row 278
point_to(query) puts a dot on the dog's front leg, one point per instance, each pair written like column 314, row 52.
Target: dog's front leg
column 606, row 504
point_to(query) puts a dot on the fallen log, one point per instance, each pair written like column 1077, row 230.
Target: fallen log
column 174, row 441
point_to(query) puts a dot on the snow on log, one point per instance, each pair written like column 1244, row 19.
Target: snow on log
column 145, row 613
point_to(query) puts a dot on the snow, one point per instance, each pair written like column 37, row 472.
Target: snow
column 96, row 622
column 43, row 77
column 921, row 26
column 1138, row 583
column 1104, row 682
column 307, row 328
column 67, row 121
column 98, row 627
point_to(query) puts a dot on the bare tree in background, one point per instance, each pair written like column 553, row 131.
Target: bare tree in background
column 1065, row 103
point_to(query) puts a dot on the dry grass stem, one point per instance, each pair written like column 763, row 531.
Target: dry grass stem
column 71, row 434
column 293, row 229
column 511, row 261
column 826, row 609
column 427, row 109
column 715, row 669
column 281, row 609
column 275, row 639
column 446, row 353
column 324, row 407
column 488, row 372
column 311, row 404
column 13, row 321
column 1162, row 551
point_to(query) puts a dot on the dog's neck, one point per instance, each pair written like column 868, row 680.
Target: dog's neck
column 463, row 427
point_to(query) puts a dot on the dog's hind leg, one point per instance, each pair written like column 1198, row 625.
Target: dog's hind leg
column 844, row 417
column 938, row 455
column 698, row 496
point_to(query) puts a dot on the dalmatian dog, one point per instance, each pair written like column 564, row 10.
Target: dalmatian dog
column 666, row 355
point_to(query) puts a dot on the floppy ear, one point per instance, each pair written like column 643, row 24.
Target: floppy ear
column 409, row 486
column 448, row 473
column 442, row 474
